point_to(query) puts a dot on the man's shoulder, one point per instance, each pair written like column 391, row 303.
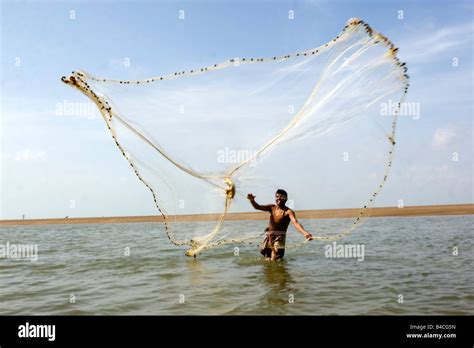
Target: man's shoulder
column 268, row 207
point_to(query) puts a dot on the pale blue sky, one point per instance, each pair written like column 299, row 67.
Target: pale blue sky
column 49, row 160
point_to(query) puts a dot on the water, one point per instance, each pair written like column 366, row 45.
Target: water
column 412, row 257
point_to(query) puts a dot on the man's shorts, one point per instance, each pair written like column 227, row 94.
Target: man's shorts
column 272, row 242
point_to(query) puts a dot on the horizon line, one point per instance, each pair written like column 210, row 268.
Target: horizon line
column 416, row 210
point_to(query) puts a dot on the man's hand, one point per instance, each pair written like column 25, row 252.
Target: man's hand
column 250, row 197
column 308, row 236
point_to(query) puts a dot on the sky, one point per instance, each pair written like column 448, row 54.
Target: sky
column 56, row 163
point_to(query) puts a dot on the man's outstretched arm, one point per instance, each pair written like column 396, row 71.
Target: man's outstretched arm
column 299, row 227
column 257, row 206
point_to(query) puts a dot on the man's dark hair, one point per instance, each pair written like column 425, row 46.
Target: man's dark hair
column 281, row 192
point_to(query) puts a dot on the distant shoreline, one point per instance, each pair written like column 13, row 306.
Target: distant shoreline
column 421, row 210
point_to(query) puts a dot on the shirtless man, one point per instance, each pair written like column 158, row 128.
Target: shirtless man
column 273, row 246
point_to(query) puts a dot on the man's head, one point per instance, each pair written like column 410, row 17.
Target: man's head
column 281, row 197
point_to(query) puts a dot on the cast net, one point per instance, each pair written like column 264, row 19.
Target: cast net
column 310, row 122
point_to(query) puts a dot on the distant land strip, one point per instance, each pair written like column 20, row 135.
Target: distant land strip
column 420, row 210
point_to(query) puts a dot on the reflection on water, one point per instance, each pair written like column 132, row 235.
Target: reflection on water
column 196, row 271
column 279, row 282
column 277, row 275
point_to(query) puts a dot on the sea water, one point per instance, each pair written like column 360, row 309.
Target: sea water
column 410, row 265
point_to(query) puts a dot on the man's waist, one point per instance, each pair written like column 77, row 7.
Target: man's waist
column 276, row 232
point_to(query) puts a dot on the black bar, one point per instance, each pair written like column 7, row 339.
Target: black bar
column 242, row 330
